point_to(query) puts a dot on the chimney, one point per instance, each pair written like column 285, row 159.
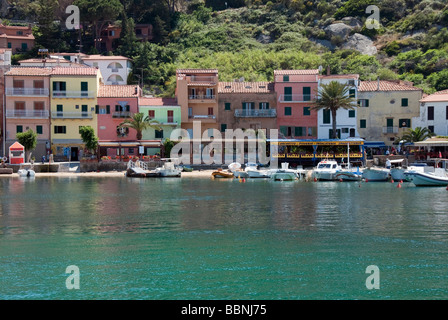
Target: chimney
column 136, row 90
column 378, row 88
column 328, row 70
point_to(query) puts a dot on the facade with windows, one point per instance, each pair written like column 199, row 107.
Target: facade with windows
column 27, row 105
column 247, row 105
column 296, row 90
column 346, row 124
column 73, row 101
column 17, row 38
column 114, row 69
column 166, row 112
column 197, row 95
column 386, row 109
column 433, row 113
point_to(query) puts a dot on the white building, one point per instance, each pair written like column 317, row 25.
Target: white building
column 346, row 124
column 5, row 57
column 115, row 69
column 433, row 113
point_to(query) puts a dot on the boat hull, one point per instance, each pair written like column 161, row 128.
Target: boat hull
column 284, row 176
column 220, row 174
column 428, row 180
column 398, row 174
column 257, row 174
column 348, row 176
column 325, row 175
column 375, row 174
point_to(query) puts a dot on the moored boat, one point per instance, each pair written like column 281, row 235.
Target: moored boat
column 222, row 174
column 439, row 178
column 349, row 175
column 284, row 174
column 253, row 172
column 376, row 174
column 326, row 170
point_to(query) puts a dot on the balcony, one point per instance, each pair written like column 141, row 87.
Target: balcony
column 296, row 97
column 72, row 94
column 27, row 91
column 202, row 117
column 121, row 114
column 263, row 113
column 202, row 79
column 27, row 114
column 387, row 130
column 201, row 98
column 71, row 115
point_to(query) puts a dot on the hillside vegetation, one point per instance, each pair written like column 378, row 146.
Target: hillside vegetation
column 250, row 39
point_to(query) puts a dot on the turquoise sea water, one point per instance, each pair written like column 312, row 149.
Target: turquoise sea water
column 195, row 238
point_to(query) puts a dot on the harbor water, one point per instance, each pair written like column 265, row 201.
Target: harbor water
column 197, row 238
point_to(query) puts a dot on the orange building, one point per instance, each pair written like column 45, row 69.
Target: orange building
column 17, row 38
column 111, row 34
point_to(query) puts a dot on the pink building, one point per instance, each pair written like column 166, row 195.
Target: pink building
column 296, row 89
column 27, row 102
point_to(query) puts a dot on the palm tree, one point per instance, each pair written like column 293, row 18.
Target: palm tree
column 417, row 134
column 140, row 123
column 333, row 96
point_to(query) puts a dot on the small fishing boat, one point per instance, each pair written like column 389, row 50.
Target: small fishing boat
column 438, row 178
column 326, row 170
column 26, row 173
column 349, row 175
column 284, row 174
column 253, row 171
column 235, row 168
column 376, row 174
column 220, row 173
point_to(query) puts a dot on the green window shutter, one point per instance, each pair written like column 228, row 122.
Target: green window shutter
column 326, row 116
column 128, row 108
column 287, row 94
column 298, row 131
column 366, row 102
column 19, row 129
column 9, row 45
column 84, row 86
column 244, row 105
column 404, row 102
column 306, row 111
column 117, row 108
column 97, row 109
column 223, row 127
column 284, row 130
column 24, row 47
column 352, row 93
column 285, row 78
column 306, row 93
column 362, row 123
column 351, row 114
column 84, row 108
column 288, row 111
column 267, row 105
column 227, row 106
column 108, row 109
column 39, row 129
column 390, row 122
column 59, row 108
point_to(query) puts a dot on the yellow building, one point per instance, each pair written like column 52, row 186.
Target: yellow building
column 73, row 100
column 386, row 108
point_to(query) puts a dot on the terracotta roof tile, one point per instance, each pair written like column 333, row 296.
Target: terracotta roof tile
column 340, row 76
column 188, row 71
column 386, row 86
column 75, row 71
column 29, row 71
column 118, row 91
column 436, row 96
column 296, row 72
column 246, row 87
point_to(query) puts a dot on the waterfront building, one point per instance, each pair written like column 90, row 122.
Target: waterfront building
column 27, row 105
column 114, row 69
column 386, row 109
column 17, row 38
column 247, row 105
column 165, row 111
column 73, row 100
column 346, row 124
column 433, row 113
column 197, row 95
column 296, row 89
column 5, row 65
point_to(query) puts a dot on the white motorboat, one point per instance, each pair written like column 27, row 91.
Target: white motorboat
column 26, row 172
column 284, row 174
column 169, row 168
column 397, row 172
column 349, row 175
column 326, row 170
column 437, row 178
column 253, row 171
column 235, row 168
column 376, row 174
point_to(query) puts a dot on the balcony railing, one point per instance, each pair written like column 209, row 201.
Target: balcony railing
column 27, row 91
column 202, row 97
column 121, row 114
column 390, row 129
column 72, row 94
column 71, row 115
column 32, row 114
column 263, row 113
column 296, row 97
column 202, row 116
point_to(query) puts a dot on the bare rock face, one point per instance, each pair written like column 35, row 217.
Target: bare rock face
column 338, row 29
column 360, row 43
column 352, row 22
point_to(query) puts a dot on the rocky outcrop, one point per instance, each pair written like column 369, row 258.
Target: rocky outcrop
column 352, row 22
column 338, row 29
column 360, row 43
